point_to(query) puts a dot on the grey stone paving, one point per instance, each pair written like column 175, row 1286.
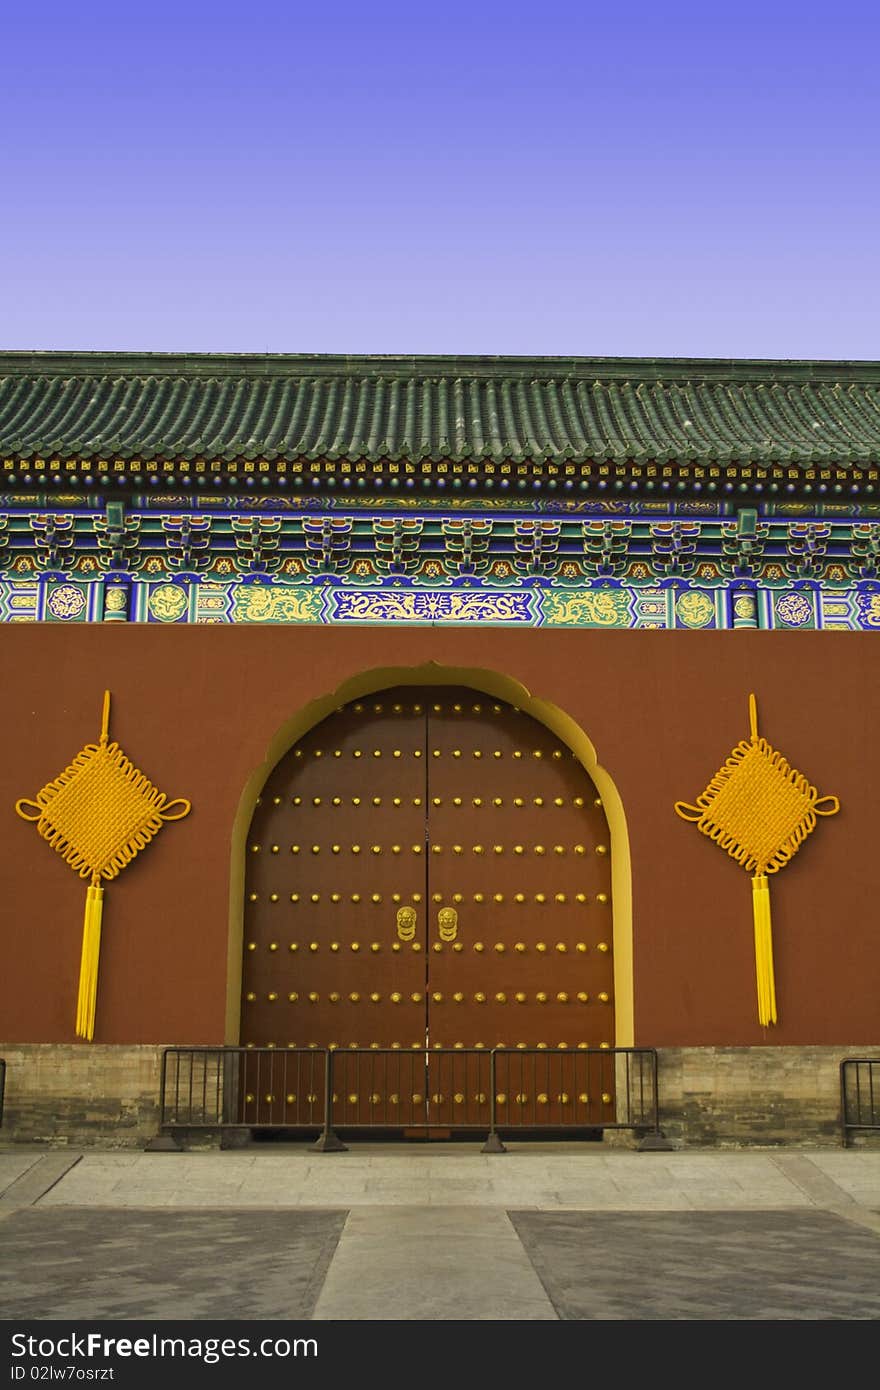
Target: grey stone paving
column 14, row 1164
column 161, row 1265
column 439, row 1264
column 703, row 1265
column 440, row 1233
column 551, row 1176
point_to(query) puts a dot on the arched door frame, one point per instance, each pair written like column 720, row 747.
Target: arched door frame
column 492, row 683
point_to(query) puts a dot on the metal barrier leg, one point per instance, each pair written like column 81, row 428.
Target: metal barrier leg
column 328, row 1142
column 654, row 1141
column 493, row 1144
column 163, row 1142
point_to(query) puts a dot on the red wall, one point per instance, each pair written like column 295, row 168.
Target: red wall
column 195, row 708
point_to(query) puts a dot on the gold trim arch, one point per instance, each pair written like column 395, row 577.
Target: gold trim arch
column 492, row 683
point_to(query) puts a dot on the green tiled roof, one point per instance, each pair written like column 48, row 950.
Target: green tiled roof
column 132, row 406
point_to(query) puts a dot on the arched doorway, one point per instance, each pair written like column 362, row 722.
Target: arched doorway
column 429, row 867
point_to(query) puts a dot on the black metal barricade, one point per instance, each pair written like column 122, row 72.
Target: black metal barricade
column 859, row 1095
column 499, row 1092
column 242, row 1088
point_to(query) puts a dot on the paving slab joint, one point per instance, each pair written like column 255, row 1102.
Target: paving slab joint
column 816, row 1185
column 39, row 1179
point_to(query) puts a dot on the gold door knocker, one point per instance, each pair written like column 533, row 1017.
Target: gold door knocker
column 447, row 922
column 406, row 923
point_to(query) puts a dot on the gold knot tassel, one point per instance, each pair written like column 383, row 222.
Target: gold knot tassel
column 760, row 810
column 764, row 950
column 99, row 813
column 88, row 970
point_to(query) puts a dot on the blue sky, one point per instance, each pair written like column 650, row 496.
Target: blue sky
column 626, row 180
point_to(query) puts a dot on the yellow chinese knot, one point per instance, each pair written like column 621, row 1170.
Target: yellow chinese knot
column 98, row 814
column 761, row 811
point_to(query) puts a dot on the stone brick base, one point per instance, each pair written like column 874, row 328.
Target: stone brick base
column 108, row 1096
column 731, row 1097
column 81, row 1095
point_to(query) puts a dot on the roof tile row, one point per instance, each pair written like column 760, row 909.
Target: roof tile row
column 303, row 408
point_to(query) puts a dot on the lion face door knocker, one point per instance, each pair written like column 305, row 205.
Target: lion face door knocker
column 447, row 923
column 406, row 923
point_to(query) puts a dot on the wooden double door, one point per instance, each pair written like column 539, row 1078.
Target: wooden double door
column 430, row 869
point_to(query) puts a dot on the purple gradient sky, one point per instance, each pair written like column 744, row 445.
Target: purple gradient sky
column 558, row 178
